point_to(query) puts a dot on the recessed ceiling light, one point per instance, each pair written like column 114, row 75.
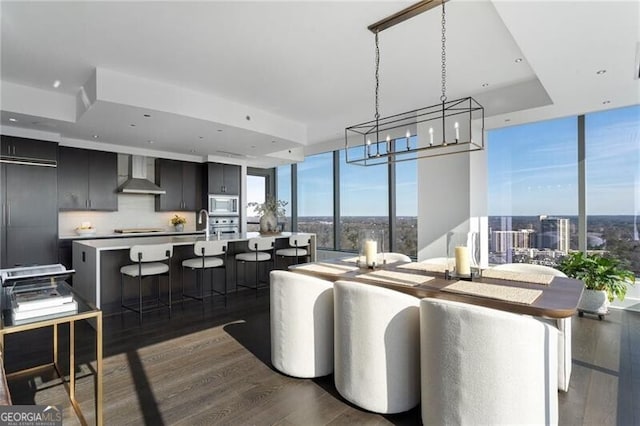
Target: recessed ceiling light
column 13, row 119
column 56, row 84
column 253, row 146
column 219, row 130
column 95, row 136
column 132, row 125
column 273, row 141
column 147, row 115
column 485, row 84
column 518, row 60
column 606, row 102
column 200, row 137
column 192, row 150
column 150, row 141
column 248, row 117
column 600, row 72
column 506, row 120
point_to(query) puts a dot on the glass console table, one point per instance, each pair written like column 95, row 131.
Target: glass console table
column 85, row 311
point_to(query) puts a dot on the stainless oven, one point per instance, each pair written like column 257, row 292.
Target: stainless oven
column 224, row 225
column 223, row 205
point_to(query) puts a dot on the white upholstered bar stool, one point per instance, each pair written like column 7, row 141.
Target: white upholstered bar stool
column 377, row 351
column 151, row 260
column 485, row 366
column 301, row 324
column 261, row 251
column 563, row 324
column 298, row 246
column 211, row 255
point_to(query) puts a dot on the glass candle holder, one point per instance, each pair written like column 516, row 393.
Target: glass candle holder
column 463, row 252
column 371, row 247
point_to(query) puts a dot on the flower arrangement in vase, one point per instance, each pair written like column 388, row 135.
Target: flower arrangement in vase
column 178, row 222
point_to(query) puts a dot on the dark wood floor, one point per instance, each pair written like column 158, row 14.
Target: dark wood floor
column 212, row 366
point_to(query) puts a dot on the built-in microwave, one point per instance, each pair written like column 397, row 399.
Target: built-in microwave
column 223, row 205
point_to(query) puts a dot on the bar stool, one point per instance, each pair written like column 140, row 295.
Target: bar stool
column 261, row 251
column 207, row 252
column 298, row 246
column 151, row 260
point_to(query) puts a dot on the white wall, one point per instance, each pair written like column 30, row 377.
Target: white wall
column 451, row 198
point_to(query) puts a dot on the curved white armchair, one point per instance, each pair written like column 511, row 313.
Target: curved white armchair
column 563, row 324
column 376, row 347
column 484, row 366
column 301, row 324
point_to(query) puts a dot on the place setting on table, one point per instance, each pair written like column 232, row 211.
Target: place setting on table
column 457, row 277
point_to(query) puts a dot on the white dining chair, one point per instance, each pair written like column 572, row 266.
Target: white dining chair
column 301, row 319
column 563, row 324
column 486, row 366
column 377, row 352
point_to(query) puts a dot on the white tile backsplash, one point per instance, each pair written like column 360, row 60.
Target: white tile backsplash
column 134, row 211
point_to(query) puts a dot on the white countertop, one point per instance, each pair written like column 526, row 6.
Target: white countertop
column 130, row 235
column 126, row 243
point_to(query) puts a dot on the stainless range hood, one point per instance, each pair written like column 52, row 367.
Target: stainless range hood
column 138, row 182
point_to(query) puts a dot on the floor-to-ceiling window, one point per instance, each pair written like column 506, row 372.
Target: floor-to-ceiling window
column 315, row 198
column 533, row 192
column 364, row 202
column 406, row 198
column 612, row 147
column 256, row 193
column 283, row 189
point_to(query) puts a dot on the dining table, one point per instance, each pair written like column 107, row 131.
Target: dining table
column 530, row 294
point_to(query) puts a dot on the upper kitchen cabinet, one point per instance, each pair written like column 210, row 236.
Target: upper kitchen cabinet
column 12, row 146
column 87, row 179
column 224, row 179
column 182, row 182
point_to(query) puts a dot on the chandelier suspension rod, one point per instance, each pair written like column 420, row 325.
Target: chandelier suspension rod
column 404, row 14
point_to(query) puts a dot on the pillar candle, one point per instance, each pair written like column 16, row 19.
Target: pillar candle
column 85, row 225
column 370, row 252
column 463, row 267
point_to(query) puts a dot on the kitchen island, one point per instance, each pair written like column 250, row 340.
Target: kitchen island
column 97, row 262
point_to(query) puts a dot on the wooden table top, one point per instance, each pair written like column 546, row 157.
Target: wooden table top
column 559, row 299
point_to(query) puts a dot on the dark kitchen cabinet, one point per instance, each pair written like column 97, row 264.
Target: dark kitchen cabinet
column 29, row 211
column 12, row 146
column 223, row 178
column 182, row 182
column 87, row 179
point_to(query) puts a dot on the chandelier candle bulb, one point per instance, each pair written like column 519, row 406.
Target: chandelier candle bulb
column 430, row 135
column 463, row 265
column 457, row 127
column 370, row 252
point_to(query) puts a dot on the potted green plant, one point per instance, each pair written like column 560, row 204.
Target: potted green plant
column 269, row 212
column 178, row 222
column 604, row 279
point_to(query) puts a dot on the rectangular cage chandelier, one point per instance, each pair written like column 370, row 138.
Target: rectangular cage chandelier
column 448, row 127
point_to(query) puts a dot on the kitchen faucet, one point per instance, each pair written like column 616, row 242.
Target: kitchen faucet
column 206, row 216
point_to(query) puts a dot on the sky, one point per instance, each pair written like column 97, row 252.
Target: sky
column 532, row 171
column 533, row 168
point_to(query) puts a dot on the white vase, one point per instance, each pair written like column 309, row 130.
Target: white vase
column 268, row 223
column 179, row 227
column 594, row 301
